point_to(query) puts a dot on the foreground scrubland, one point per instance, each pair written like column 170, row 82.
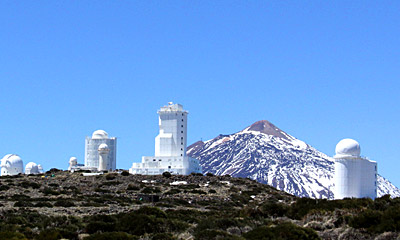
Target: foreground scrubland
column 67, row 205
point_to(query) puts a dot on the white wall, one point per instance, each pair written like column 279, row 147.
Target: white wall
column 355, row 177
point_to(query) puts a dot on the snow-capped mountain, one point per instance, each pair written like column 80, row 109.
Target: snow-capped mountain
column 267, row 154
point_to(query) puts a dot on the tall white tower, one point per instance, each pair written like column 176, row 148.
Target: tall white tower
column 91, row 150
column 354, row 176
column 171, row 141
column 170, row 146
column 103, row 154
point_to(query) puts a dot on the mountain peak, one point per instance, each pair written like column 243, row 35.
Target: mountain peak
column 264, row 126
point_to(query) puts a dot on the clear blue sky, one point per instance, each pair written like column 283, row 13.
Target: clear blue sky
column 319, row 70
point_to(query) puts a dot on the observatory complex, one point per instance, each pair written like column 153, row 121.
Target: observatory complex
column 355, row 176
column 170, row 146
column 100, row 153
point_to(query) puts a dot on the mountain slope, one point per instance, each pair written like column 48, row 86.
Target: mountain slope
column 267, row 154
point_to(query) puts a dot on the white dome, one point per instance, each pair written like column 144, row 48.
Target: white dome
column 12, row 158
column 11, row 164
column 31, row 165
column 348, row 147
column 100, row 134
column 73, row 160
column 103, row 146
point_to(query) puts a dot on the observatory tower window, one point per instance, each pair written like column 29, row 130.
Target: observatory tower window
column 181, row 131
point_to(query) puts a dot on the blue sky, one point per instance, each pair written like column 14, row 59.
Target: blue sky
column 319, row 70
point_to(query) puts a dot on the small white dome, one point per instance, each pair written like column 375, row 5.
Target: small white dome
column 73, row 160
column 31, row 165
column 348, row 147
column 99, row 134
column 103, row 146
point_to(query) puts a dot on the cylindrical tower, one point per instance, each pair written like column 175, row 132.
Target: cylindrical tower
column 103, row 157
column 354, row 176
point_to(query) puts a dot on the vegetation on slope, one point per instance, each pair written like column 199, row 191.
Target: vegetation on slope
column 121, row 206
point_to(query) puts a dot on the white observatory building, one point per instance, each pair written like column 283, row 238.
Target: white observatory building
column 11, row 164
column 33, row 168
column 94, row 156
column 355, row 176
column 170, row 146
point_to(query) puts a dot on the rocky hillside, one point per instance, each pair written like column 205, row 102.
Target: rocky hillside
column 63, row 205
column 267, row 154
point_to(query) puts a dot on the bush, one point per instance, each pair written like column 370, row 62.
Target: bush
column 281, row 231
column 8, row 235
column 209, row 174
column 111, row 235
column 49, row 191
column 23, row 204
column 166, row 174
column 4, row 187
column 125, row 173
column 43, row 204
column 111, row 176
column 49, row 235
column 64, row 203
column 26, row 184
column 173, row 191
column 133, row 187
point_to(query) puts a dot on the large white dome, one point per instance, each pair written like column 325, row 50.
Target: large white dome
column 348, row 147
column 12, row 158
column 100, row 134
column 11, row 164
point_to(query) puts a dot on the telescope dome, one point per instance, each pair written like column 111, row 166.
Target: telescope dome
column 103, row 146
column 99, row 134
column 348, row 147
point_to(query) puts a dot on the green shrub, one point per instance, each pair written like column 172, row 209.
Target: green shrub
column 111, row 235
column 166, row 174
column 49, row 191
column 209, row 174
column 4, row 188
column 64, row 203
column 43, row 204
column 111, row 176
column 49, row 235
column 173, row 191
column 211, row 234
column 132, row 187
column 212, row 191
column 125, row 173
column 163, row 236
column 23, row 204
column 6, row 235
column 281, row 231
column 26, row 184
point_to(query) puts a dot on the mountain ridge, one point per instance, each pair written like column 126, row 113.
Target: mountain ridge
column 267, row 154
